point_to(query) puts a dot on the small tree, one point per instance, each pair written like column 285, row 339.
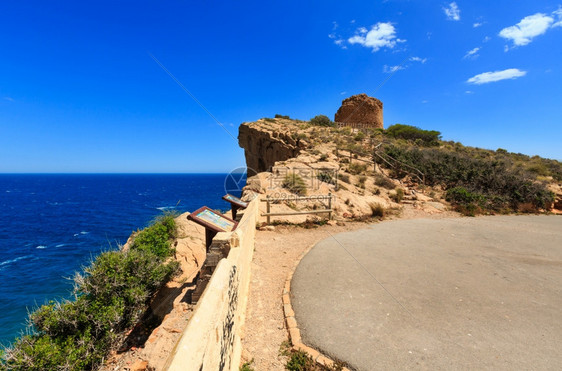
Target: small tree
column 322, row 120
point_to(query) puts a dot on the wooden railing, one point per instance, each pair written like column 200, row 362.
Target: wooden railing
column 269, row 200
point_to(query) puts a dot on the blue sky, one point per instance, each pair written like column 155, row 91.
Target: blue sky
column 80, row 92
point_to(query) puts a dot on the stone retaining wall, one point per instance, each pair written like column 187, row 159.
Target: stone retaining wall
column 211, row 340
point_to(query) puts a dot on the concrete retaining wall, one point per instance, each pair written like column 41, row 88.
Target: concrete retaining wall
column 211, row 340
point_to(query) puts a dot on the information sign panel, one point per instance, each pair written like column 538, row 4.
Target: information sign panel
column 212, row 220
column 235, row 201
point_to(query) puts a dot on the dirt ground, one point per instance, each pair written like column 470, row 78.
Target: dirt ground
column 274, row 257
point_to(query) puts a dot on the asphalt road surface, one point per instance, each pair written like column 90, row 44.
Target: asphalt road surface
column 463, row 293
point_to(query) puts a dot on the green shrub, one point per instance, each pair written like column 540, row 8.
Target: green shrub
column 502, row 185
column 398, row 196
column 357, row 168
column 278, row 116
column 300, row 361
column 377, row 210
column 424, row 137
column 111, row 296
column 326, row 177
column 322, row 120
column 247, row 366
column 344, row 177
column 382, row 181
column 295, row 184
column 359, row 136
column 362, row 179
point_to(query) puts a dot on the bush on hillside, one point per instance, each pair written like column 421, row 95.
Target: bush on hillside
column 110, row 297
column 322, row 120
column 495, row 180
column 295, row 184
column 424, row 137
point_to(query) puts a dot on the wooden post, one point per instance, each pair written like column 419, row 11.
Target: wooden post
column 268, row 210
column 330, row 206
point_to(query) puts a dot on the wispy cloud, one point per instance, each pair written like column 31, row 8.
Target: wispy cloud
column 472, row 54
column 452, row 12
column 418, row 59
column 486, row 39
column 558, row 15
column 340, row 43
column 381, row 35
column 334, row 36
column 392, row 69
column 469, row 92
column 531, row 26
column 487, row 77
column 9, row 99
column 477, row 24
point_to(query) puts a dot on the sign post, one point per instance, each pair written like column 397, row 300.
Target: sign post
column 213, row 223
column 235, row 203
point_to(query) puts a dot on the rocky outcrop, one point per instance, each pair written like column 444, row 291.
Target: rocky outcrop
column 360, row 111
column 262, row 148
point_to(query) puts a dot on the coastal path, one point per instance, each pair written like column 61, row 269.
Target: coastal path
column 462, row 293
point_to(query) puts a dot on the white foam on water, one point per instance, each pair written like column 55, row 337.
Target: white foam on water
column 60, row 245
column 83, row 232
column 164, row 208
column 41, row 247
column 6, row 262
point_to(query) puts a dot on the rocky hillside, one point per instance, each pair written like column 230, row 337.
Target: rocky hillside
column 373, row 171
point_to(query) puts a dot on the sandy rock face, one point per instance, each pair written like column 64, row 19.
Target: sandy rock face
column 262, row 148
column 361, row 110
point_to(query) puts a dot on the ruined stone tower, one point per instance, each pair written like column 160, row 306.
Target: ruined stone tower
column 360, row 111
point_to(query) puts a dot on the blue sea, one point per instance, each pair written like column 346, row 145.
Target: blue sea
column 52, row 225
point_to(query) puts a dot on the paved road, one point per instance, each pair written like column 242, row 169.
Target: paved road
column 466, row 293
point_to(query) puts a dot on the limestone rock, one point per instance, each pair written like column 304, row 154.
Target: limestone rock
column 360, row 111
column 262, row 149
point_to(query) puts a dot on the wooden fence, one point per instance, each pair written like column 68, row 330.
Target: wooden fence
column 270, row 200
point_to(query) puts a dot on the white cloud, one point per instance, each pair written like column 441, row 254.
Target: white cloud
column 418, row 59
column 381, row 35
column 527, row 29
column 486, row 39
column 477, row 24
column 558, row 15
column 392, row 69
column 9, row 99
column 340, row 43
column 486, row 77
column 469, row 92
column 425, row 101
column 473, row 54
column 452, row 12
column 343, row 93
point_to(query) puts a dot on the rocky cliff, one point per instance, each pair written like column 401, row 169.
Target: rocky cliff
column 265, row 143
